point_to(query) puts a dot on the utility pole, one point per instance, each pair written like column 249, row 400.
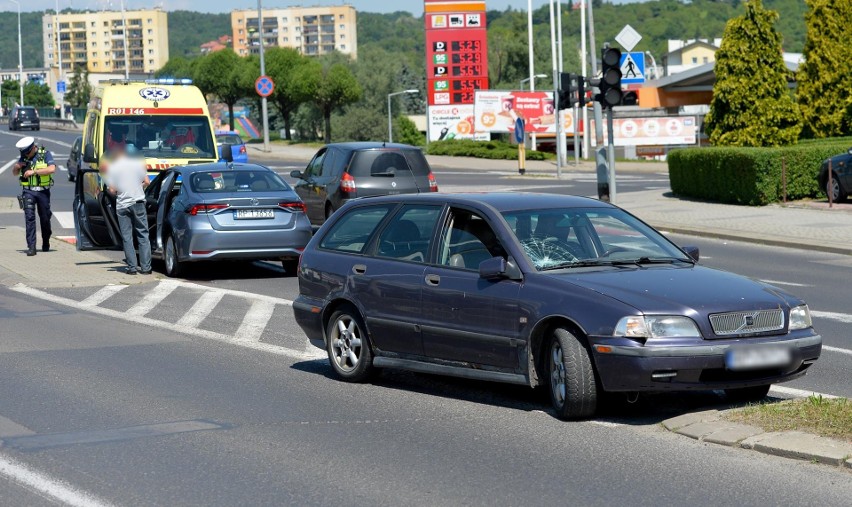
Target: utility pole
column 262, row 73
column 600, row 152
column 557, row 106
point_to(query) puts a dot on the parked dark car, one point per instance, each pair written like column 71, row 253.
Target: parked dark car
column 569, row 292
column 202, row 212
column 344, row 171
column 75, row 159
column 24, row 117
column 841, row 177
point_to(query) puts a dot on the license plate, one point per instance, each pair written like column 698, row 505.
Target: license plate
column 755, row 358
column 243, row 214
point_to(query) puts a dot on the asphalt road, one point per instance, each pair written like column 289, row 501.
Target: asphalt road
column 104, row 407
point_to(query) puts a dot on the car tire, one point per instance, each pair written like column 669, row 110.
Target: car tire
column 573, row 386
column 290, row 266
column 835, row 189
column 747, row 394
column 173, row 265
column 348, row 347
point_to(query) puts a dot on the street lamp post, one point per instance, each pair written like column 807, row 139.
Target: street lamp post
column 263, row 106
column 527, row 79
column 59, row 59
column 390, row 122
column 20, row 54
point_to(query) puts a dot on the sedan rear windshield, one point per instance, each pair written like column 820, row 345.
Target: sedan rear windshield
column 389, row 163
column 236, row 182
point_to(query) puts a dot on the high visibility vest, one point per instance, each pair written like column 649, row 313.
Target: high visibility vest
column 38, row 180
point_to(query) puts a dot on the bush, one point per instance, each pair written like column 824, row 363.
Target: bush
column 751, row 176
column 495, row 150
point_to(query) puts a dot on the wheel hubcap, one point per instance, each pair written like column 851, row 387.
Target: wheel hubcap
column 557, row 374
column 346, row 343
column 834, row 190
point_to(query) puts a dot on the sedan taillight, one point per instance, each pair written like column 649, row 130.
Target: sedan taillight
column 242, row 148
column 195, row 209
column 433, row 183
column 347, row 183
column 295, row 207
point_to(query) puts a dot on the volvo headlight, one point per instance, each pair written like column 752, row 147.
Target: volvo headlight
column 656, row 326
column 800, row 318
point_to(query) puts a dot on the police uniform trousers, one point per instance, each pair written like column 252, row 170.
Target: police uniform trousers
column 37, row 200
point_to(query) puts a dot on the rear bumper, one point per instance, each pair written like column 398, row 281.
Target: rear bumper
column 271, row 244
column 696, row 367
column 308, row 314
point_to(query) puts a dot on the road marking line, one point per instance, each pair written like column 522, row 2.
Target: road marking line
column 168, row 326
column 101, row 295
column 842, row 317
column 9, row 428
column 46, row 485
column 798, row 393
column 778, row 282
column 238, row 293
column 153, row 298
column 52, row 141
column 836, row 349
column 65, row 219
column 8, row 165
column 255, row 321
column 201, row 309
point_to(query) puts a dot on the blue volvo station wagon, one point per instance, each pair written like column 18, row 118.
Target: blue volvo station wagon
column 562, row 291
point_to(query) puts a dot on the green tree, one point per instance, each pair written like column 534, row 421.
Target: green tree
column 285, row 66
column 405, row 131
column 38, row 95
column 823, row 88
column 334, row 86
column 225, row 75
column 360, row 123
column 752, row 104
column 177, row 67
column 79, row 91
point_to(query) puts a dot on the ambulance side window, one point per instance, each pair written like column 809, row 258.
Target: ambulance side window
column 91, row 132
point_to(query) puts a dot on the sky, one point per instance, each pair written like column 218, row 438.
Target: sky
column 413, row 6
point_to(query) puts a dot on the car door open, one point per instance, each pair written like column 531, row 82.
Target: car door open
column 95, row 223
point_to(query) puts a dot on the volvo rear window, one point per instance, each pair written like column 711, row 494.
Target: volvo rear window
column 214, row 182
column 388, row 163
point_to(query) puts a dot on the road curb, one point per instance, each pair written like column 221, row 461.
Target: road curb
column 708, row 426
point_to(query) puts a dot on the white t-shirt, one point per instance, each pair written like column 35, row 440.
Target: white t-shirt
column 125, row 175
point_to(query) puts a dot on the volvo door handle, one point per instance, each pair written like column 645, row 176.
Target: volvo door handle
column 433, row 279
column 359, row 269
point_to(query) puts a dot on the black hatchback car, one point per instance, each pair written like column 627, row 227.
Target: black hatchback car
column 24, row 117
column 564, row 291
column 840, row 185
column 343, row 171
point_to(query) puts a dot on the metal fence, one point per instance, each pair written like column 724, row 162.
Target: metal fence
column 79, row 114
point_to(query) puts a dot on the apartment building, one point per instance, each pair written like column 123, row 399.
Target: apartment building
column 311, row 30
column 97, row 40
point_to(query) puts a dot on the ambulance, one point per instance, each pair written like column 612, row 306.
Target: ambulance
column 166, row 121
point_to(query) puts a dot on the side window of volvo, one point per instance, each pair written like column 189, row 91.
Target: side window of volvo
column 408, row 236
column 353, row 231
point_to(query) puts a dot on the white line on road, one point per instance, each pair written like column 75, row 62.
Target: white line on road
column 46, row 485
column 65, row 219
column 153, row 298
column 101, row 295
column 255, row 321
column 53, row 141
column 8, row 165
column 842, row 317
column 201, row 309
column 310, row 352
column 238, row 293
column 837, row 349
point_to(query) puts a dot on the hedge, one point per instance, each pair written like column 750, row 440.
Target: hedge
column 751, row 176
column 480, row 149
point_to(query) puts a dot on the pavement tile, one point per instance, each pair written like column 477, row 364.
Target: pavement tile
column 680, row 421
column 848, row 463
column 701, row 429
column 800, row 445
column 732, row 433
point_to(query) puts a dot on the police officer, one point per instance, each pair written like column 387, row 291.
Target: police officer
column 35, row 171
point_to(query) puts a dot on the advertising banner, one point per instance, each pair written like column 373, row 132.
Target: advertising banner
column 497, row 111
column 454, row 122
column 658, row 131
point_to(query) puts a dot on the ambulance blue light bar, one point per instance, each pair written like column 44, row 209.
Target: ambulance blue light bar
column 169, row 81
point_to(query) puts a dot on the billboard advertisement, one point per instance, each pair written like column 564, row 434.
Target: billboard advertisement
column 497, row 111
column 664, row 130
column 454, row 122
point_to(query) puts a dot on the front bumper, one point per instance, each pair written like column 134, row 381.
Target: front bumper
column 698, row 365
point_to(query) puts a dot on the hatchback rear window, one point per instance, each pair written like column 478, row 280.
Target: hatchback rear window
column 388, row 163
column 229, row 139
column 237, row 181
column 26, row 113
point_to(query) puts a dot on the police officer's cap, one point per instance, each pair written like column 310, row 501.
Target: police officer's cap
column 25, row 144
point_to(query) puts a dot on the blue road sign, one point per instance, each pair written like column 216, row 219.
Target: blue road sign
column 632, row 67
column 519, row 130
column 264, row 86
column 60, row 87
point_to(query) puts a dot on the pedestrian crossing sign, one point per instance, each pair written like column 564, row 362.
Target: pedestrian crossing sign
column 633, row 67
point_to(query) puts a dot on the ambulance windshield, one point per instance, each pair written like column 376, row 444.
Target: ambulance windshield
column 161, row 136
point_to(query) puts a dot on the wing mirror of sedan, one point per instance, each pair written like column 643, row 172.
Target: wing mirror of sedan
column 297, row 174
column 499, row 268
column 89, row 154
column 692, row 251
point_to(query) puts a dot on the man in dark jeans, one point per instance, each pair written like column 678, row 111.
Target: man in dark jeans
column 126, row 178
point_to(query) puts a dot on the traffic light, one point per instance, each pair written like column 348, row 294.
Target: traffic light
column 567, row 90
column 610, row 85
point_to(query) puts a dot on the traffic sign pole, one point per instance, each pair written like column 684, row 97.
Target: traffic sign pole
column 263, row 74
